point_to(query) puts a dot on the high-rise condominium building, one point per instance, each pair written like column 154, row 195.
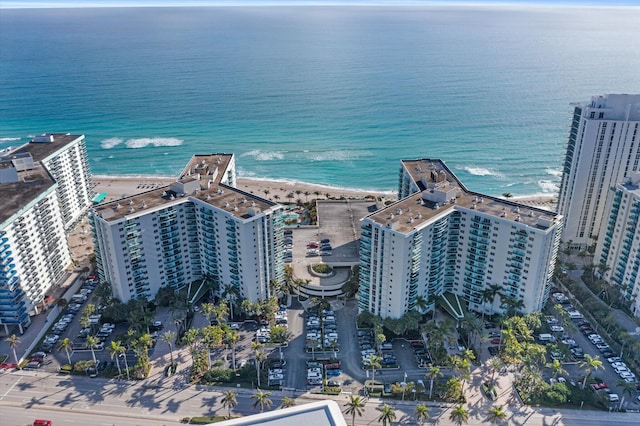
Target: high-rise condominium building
column 603, row 148
column 45, row 187
column 441, row 239
column 199, row 226
column 618, row 247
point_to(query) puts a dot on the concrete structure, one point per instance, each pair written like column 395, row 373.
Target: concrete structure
column 45, row 187
column 618, row 248
column 321, row 413
column 442, row 238
column 603, row 149
column 199, row 226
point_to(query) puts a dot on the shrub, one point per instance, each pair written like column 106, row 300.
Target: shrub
column 322, row 268
column 224, row 375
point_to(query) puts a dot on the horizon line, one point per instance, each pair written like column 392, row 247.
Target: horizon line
column 309, row 3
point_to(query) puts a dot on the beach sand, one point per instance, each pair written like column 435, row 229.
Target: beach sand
column 274, row 190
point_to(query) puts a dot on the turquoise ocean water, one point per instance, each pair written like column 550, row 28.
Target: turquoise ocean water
column 329, row 95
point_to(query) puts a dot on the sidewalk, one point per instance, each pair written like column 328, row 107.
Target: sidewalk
column 38, row 322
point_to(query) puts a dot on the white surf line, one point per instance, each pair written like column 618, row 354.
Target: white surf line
column 10, row 389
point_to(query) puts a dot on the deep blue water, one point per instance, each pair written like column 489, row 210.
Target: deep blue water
column 330, row 95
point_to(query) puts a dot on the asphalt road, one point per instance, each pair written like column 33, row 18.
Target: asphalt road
column 82, row 400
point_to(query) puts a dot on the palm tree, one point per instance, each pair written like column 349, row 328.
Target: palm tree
column 122, row 351
column 355, row 405
column 422, row 413
column 13, row 341
column 169, row 337
column 85, row 322
column 232, row 337
column 627, row 388
column 91, row 344
column 287, row 402
column 387, row 415
column 114, row 351
column 208, row 309
column 556, row 368
column 374, row 364
column 495, row 290
column 260, row 356
column 262, row 399
column 486, row 295
column 496, row 414
column 459, row 415
column 66, row 344
column 230, row 292
column 421, row 304
column 433, row 373
column 229, row 401
column 494, row 364
column 589, row 364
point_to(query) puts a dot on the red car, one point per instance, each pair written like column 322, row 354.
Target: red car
column 42, row 423
column 495, row 341
column 598, row 386
column 6, row 366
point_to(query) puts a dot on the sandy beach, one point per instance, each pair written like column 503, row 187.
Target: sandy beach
column 274, row 190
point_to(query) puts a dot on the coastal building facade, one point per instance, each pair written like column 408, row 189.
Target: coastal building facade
column 199, row 226
column 43, row 194
column 603, row 148
column 441, row 238
column 618, row 249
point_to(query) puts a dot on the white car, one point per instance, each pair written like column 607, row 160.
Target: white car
column 569, row 342
column 557, row 328
column 614, row 359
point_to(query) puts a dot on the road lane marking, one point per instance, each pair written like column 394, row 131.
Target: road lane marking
column 10, row 389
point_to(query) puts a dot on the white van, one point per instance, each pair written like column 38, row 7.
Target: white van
column 546, row 338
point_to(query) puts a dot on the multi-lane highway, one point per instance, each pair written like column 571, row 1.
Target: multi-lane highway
column 25, row 396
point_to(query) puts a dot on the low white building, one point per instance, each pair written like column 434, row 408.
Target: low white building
column 441, row 238
column 199, row 226
column 618, row 247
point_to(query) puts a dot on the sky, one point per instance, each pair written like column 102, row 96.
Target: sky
column 17, row 4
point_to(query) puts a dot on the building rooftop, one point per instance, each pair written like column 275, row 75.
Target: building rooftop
column 203, row 178
column 441, row 192
column 632, row 184
column 30, row 184
column 44, row 145
column 321, row 413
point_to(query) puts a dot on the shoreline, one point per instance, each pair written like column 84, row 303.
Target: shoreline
column 278, row 190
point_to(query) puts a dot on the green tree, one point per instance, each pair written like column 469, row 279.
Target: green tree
column 114, row 351
column 287, row 402
column 67, row 345
column 169, row 337
column 494, row 364
column 459, row 415
column 92, row 343
column 122, row 350
column 556, row 368
column 422, row 413
column 374, row 364
column 208, row 310
column 14, row 342
column 421, row 304
column 496, row 414
column 355, row 405
column 229, row 401
column 433, row 374
column 627, row 388
column 589, row 364
column 387, row 415
column 262, row 400
column 230, row 292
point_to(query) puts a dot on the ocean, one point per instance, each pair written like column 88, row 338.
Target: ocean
column 332, row 95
